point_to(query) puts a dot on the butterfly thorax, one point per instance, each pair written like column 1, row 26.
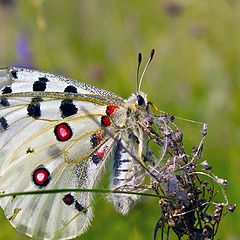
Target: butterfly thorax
column 136, row 113
column 128, row 154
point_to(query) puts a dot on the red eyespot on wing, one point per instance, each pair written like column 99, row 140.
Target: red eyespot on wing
column 68, row 199
column 105, row 121
column 96, row 138
column 99, row 136
column 111, row 109
column 41, row 176
column 63, row 132
column 100, row 154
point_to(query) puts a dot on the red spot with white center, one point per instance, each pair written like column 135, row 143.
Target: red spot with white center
column 111, row 109
column 41, row 176
column 68, row 199
column 63, row 132
column 105, row 121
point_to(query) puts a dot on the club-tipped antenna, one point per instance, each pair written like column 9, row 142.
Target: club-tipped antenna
column 138, row 69
column 139, row 82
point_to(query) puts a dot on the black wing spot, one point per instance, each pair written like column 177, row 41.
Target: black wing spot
column 70, row 89
column 30, row 150
column 33, row 108
column 40, row 85
column 95, row 159
column 96, row 139
column 14, row 74
column 13, row 197
column 7, row 90
column 68, row 199
column 4, row 102
column 4, row 124
column 80, row 207
column 43, row 79
column 68, row 108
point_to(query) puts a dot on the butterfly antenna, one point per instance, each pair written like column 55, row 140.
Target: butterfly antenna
column 149, row 60
column 138, row 68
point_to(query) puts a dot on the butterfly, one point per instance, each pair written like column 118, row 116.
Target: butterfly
column 57, row 133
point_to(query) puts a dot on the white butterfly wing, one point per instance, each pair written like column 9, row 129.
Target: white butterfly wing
column 29, row 80
column 55, row 215
column 52, row 141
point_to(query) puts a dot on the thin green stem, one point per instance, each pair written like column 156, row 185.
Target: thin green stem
column 52, row 191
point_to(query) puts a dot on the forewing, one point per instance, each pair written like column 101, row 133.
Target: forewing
column 51, row 140
column 15, row 80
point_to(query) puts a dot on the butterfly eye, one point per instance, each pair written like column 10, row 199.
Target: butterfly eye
column 141, row 101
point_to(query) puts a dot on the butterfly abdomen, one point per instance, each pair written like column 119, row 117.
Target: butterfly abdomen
column 122, row 163
column 126, row 177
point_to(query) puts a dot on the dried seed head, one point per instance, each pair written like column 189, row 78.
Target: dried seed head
column 198, row 191
column 222, row 181
column 176, row 136
column 192, row 191
column 202, row 203
column 206, row 218
column 206, row 165
column 178, row 150
column 204, row 183
column 218, row 212
column 171, row 223
column 194, row 149
column 208, row 231
column 210, row 190
column 232, row 207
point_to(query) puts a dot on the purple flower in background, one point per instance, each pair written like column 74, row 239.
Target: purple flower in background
column 23, row 53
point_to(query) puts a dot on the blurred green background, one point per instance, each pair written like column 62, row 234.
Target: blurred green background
column 195, row 74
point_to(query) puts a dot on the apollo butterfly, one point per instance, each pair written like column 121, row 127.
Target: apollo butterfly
column 57, row 133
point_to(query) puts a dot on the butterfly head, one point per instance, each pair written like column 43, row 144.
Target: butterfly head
column 137, row 101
